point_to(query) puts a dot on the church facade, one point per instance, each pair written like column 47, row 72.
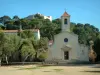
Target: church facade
column 66, row 47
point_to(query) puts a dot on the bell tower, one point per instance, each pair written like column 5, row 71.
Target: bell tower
column 65, row 20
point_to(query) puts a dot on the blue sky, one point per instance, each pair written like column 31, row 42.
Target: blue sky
column 81, row 11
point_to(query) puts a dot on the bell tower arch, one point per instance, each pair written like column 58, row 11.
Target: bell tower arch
column 65, row 20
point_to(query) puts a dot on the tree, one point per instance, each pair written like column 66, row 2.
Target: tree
column 17, row 42
column 16, row 18
column 27, row 34
column 27, row 49
column 9, row 23
column 72, row 26
column 97, row 47
column 2, row 39
column 9, row 47
column 12, row 27
column 5, row 18
column 48, row 29
column 40, row 47
column 92, row 53
column 38, row 16
column 36, row 23
column 58, row 22
column 43, row 56
column 25, row 23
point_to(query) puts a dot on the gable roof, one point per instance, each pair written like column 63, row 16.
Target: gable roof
column 65, row 14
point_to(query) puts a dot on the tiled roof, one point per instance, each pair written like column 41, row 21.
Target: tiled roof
column 65, row 14
column 10, row 31
column 34, row 30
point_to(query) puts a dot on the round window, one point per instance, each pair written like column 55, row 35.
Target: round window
column 65, row 40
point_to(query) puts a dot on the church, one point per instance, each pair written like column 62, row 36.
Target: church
column 66, row 48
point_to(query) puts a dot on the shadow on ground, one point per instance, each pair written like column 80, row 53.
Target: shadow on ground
column 92, row 71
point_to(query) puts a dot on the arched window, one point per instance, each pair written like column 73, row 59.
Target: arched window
column 65, row 21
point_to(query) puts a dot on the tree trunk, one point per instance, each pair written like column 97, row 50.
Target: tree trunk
column 36, row 56
column 0, row 62
column 6, row 59
column 20, row 57
column 26, row 58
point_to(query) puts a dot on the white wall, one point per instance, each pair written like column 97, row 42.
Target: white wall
column 38, row 34
column 48, row 17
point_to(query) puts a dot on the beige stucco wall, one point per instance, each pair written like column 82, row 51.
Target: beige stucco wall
column 83, row 53
column 65, row 27
column 55, row 52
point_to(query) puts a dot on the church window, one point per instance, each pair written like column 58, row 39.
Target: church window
column 65, row 40
column 65, row 21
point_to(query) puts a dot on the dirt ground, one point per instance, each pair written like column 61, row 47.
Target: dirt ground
column 49, row 70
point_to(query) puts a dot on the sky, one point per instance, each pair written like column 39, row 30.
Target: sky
column 81, row 11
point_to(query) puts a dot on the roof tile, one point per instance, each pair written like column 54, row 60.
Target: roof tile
column 65, row 14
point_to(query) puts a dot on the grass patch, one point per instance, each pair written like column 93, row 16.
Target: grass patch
column 58, row 70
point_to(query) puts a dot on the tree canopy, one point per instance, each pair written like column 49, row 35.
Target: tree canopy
column 48, row 29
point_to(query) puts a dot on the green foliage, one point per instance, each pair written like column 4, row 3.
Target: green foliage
column 9, row 22
column 2, row 39
column 43, row 56
column 97, row 45
column 26, row 34
column 40, row 47
column 86, row 32
column 36, row 23
column 7, row 46
column 2, row 26
column 12, row 46
column 25, row 23
column 16, row 18
column 27, row 48
column 10, row 27
column 5, row 18
column 72, row 26
column 47, row 28
column 38, row 16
